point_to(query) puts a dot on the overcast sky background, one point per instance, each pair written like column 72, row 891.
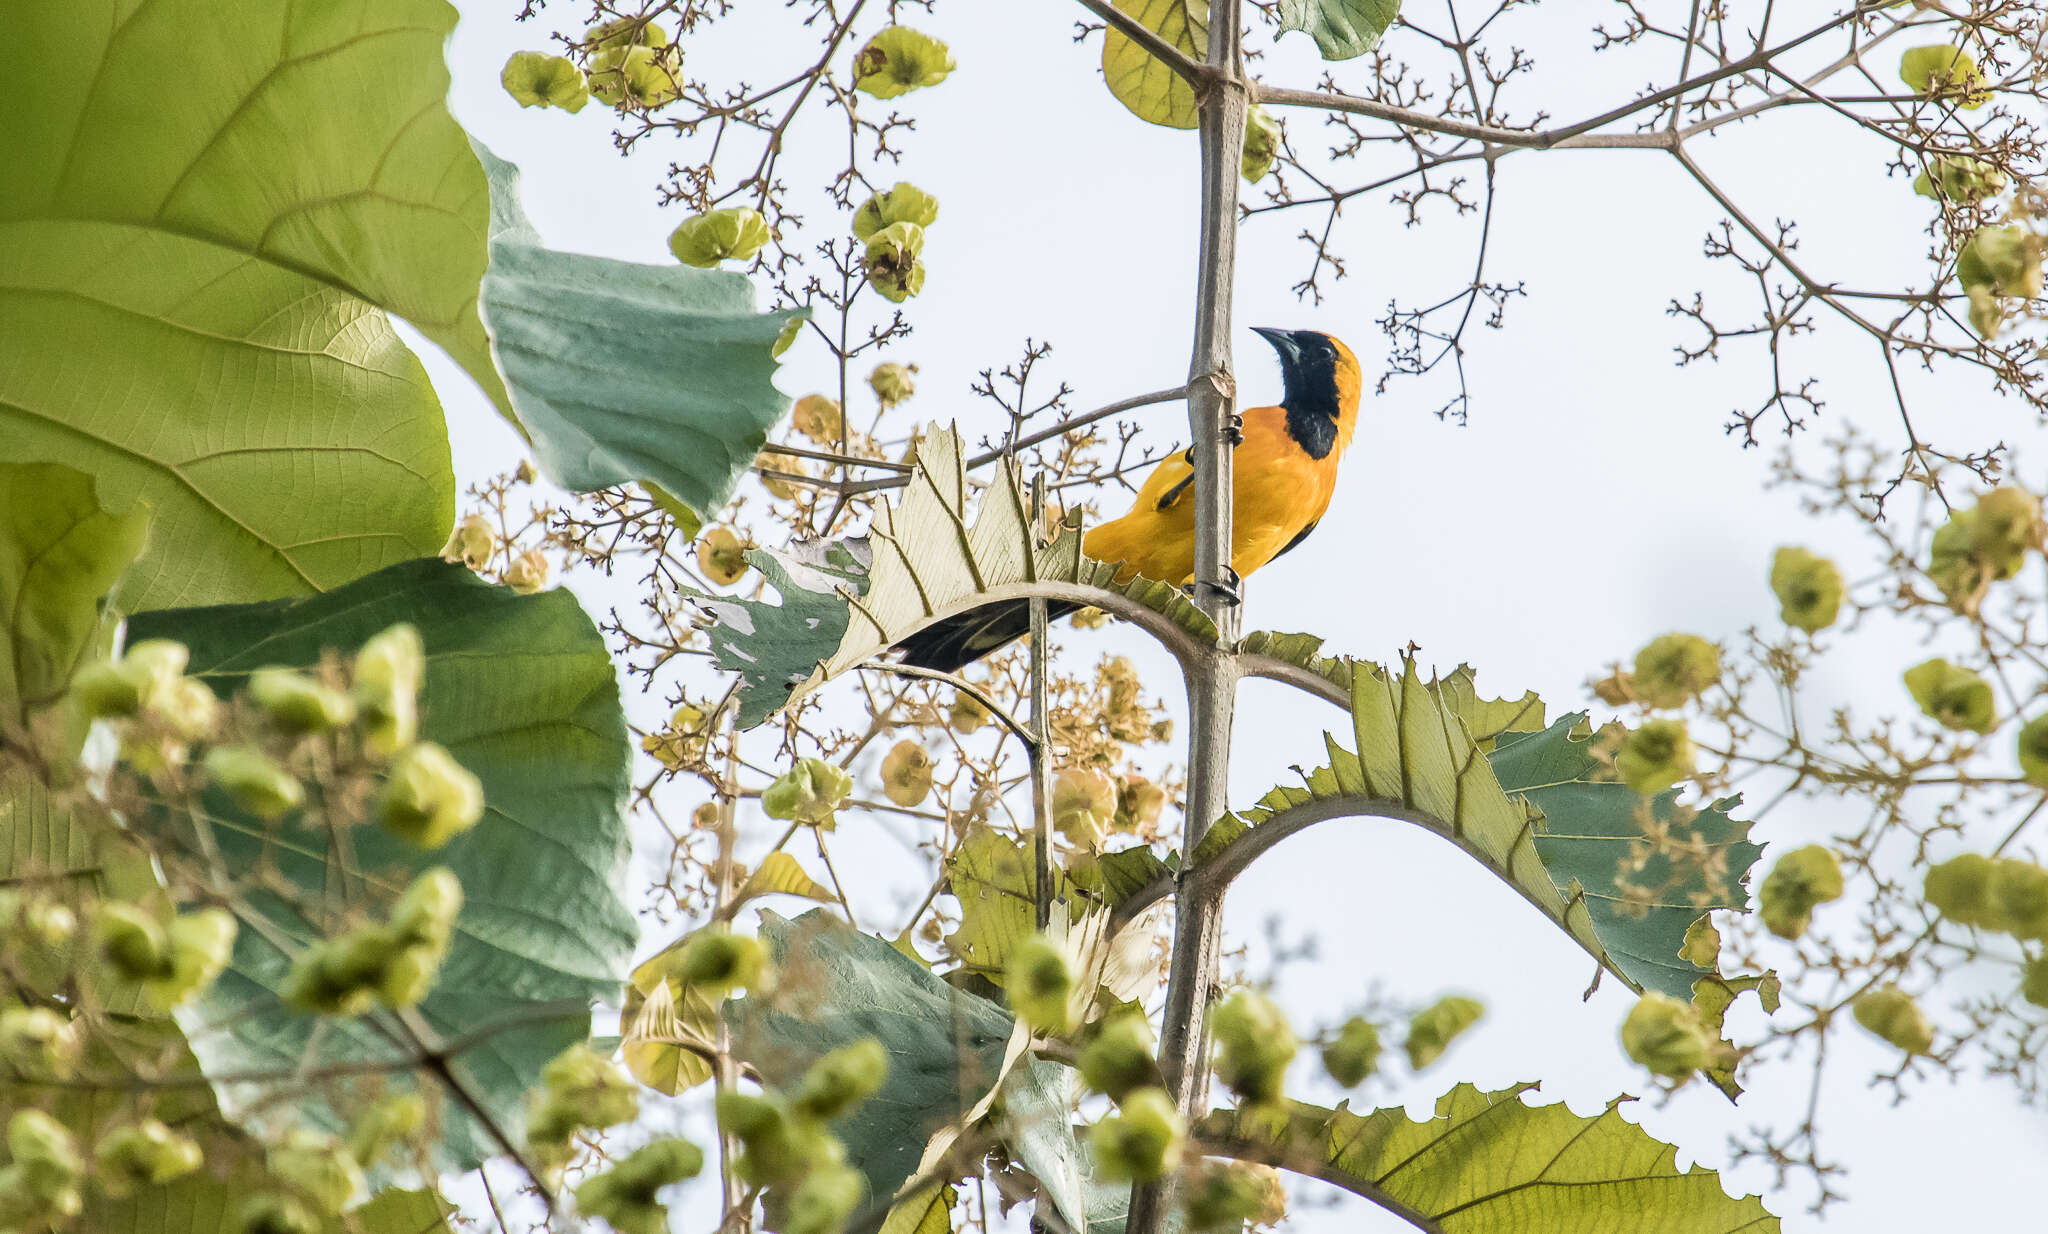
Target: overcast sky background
column 1592, row 502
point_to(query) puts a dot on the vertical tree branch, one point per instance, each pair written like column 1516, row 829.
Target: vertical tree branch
column 1041, row 732
column 1212, row 678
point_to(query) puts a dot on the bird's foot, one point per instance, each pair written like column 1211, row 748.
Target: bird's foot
column 1233, row 432
column 1230, row 590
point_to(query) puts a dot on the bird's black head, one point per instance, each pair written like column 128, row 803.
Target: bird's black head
column 1312, row 365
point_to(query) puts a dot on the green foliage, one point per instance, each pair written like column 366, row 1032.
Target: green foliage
column 61, row 554
column 1594, row 828
column 844, row 601
column 520, row 690
column 1489, row 1164
column 1151, row 89
column 837, row 986
column 1799, row 881
column 199, row 308
column 1342, row 29
column 611, row 363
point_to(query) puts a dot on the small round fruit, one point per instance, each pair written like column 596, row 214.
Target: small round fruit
column 1141, row 1140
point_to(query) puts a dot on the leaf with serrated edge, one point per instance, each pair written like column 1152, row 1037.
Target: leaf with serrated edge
column 924, row 559
column 1489, row 1163
column 1415, row 753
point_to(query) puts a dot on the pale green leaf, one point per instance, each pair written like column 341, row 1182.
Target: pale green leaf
column 1489, row 1163
column 521, row 690
column 1593, row 831
column 926, row 557
column 61, row 553
column 1342, row 28
column 929, row 1211
column 624, row 372
column 783, row 875
column 1149, row 87
column 208, row 208
column 667, row 1024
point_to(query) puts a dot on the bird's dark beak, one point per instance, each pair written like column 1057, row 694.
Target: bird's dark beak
column 1282, row 342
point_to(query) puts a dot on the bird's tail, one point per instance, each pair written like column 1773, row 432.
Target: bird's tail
column 956, row 642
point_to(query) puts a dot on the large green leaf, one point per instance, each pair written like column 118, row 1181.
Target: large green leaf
column 60, row 555
column 1488, row 1163
column 924, row 559
column 1342, row 28
column 624, row 372
column 521, row 690
column 1646, row 868
column 208, row 206
column 1141, row 82
column 1539, row 822
column 836, row 985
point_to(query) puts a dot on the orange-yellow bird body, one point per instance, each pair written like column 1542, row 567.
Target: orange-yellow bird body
column 1284, row 473
column 1280, row 492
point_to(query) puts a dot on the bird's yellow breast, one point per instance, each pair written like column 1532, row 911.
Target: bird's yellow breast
column 1278, row 493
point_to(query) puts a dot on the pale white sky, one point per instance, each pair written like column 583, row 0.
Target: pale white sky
column 1592, row 503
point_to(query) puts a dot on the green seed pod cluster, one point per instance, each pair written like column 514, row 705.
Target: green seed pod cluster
column 1890, row 1014
column 1673, row 670
column 32, row 922
column 1254, row 1044
column 841, row 1080
column 633, row 64
column 1949, row 73
column 319, row 1170
column 169, row 964
column 537, row 79
column 715, row 962
column 295, row 703
column 428, row 797
column 142, row 1154
column 1959, row 178
column 157, row 710
column 1955, row 698
column 1801, row 879
column 1434, row 1027
column 2032, row 749
column 823, row 1201
column 624, row 1195
column 38, row 1043
column 2004, row 894
column 392, row 1119
column 1039, row 986
column 2034, row 981
column 890, row 381
column 1655, row 756
column 1141, row 1141
column 905, row 203
column 1808, row 587
column 1120, row 1057
column 722, row 555
column 1354, row 1053
column 1084, row 802
column 579, row 1090
column 44, row 1182
column 1222, row 1197
column 1666, row 1036
column 254, row 781
column 809, row 792
column 1261, row 144
column 735, row 233
column 894, row 261
column 388, row 671
column 898, row 60
column 393, row 964
column 1987, row 542
column 1997, row 264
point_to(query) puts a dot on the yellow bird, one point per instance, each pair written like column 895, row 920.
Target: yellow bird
column 1284, row 473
